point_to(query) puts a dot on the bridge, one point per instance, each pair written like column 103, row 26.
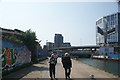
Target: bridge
column 76, row 48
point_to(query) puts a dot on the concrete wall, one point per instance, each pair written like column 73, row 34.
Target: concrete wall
column 114, row 56
column 13, row 54
column 42, row 54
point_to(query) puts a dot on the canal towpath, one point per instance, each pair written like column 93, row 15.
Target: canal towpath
column 41, row 70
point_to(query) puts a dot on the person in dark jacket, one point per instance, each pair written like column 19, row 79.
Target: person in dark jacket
column 67, row 64
column 52, row 64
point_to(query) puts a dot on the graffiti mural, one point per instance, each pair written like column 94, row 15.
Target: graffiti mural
column 14, row 57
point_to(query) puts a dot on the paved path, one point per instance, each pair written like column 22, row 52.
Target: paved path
column 41, row 70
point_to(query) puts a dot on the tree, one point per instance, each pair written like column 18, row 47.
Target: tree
column 29, row 39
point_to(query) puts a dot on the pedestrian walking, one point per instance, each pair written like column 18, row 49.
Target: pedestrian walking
column 67, row 64
column 52, row 64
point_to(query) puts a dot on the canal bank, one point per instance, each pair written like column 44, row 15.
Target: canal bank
column 105, row 65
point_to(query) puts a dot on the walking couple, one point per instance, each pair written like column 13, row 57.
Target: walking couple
column 67, row 64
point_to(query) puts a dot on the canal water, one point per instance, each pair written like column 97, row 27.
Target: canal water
column 109, row 66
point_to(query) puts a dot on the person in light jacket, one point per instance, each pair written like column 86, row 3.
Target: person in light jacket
column 52, row 64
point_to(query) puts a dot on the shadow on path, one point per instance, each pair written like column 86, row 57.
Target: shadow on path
column 23, row 72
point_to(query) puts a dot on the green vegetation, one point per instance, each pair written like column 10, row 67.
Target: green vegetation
column 28, row 38
column 13, row 38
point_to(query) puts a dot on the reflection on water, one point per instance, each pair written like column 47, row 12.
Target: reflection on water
column 109, row 66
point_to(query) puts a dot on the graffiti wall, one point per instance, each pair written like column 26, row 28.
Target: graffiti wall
column 13, row 57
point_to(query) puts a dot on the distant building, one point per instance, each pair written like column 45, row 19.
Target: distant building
column 44, row 47
column 58, row 40
column 49, row 45
column 10, row 31
column 66, row 44
column 108, row 30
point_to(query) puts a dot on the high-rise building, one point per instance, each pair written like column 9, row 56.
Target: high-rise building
column 58, row 40
column 108, row 30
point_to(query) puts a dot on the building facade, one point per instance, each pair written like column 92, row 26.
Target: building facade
column 67, row 44
column 58, row 40
column 50, row 45
column 10, row 31
column 108, row 30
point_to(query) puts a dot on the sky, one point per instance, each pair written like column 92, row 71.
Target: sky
column 74, row 20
